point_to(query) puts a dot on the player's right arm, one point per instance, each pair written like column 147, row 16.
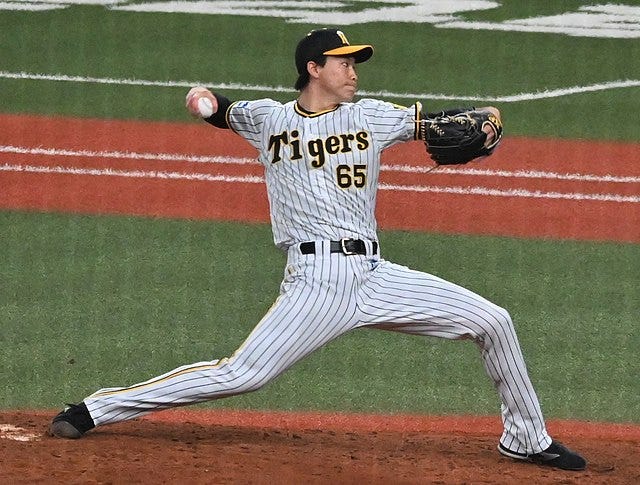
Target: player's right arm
column 219, row 106
column 246, row 118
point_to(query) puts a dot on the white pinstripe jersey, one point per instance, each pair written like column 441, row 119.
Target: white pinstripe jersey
column 321, row 169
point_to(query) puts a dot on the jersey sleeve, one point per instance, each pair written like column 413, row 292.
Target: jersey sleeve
column 247, row 118
column 391, row 123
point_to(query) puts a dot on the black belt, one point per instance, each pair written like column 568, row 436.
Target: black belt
column 345, row 246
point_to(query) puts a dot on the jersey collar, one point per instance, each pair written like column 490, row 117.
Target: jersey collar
column 311, row 114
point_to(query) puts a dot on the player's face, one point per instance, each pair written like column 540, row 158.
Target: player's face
column 338, row 77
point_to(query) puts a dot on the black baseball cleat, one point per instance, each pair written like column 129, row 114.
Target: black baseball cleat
column 72, row 423
column 556, row 455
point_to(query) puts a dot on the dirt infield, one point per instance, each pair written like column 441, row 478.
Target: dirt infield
column 214, row 447
column 559, row 189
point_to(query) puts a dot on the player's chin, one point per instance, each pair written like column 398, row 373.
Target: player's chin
column 349, row 93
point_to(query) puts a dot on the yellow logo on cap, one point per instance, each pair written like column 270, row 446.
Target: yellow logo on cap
column 343, row 37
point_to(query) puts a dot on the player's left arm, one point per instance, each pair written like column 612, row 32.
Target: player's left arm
column 489, row 128
column 460, row 135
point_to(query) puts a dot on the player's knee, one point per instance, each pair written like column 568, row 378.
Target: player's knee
column 501, row 323
column 248, row 378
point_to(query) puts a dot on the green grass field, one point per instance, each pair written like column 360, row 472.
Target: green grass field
column 89, row 302
column 102, row 301
column 89, row 41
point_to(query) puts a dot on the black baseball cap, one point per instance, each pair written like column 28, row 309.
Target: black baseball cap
column 326, row 42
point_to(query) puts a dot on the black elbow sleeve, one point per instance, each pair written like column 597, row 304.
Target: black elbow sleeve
column 219, row 118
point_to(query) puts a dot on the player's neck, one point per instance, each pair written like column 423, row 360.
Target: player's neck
column 315, row 105
column 316, row 100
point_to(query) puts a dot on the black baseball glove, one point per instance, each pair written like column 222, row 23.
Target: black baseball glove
column 458, row 138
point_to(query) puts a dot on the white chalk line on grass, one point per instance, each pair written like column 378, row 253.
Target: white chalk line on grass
column 179, row 157
column 546, row 94
column 109, row 172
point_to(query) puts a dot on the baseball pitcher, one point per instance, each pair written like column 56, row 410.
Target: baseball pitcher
column 321, row 158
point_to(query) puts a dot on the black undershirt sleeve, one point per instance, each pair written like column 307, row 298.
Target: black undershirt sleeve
column 219, row 118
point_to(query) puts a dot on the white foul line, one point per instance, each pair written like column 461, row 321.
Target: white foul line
column 141, row 174
column 550, row 93
column 109, row 172
column 535, row 194
column 179, row 157
column 526, row 174
column 165, row 157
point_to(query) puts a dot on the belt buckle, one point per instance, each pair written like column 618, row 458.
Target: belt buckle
column 343, row 246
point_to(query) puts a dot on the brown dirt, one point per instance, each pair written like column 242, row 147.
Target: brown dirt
column 253, row 448
column 419, row 203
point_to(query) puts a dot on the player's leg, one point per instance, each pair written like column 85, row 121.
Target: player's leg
column 309, row 312
column 400, row 299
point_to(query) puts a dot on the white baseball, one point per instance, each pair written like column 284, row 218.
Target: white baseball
column 205, row 107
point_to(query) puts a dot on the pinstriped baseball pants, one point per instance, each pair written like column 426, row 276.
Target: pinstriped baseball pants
column 324, row 295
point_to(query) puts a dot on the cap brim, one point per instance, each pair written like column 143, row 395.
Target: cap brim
column 360, row 53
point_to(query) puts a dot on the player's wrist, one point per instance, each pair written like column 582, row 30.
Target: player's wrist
column 201, row 102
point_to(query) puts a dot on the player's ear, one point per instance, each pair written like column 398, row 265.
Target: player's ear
column 313, row 69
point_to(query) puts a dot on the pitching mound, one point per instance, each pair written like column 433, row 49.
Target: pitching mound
column 249, row 447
